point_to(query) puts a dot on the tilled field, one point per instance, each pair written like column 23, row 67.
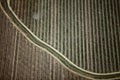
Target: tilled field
column 85, row 32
